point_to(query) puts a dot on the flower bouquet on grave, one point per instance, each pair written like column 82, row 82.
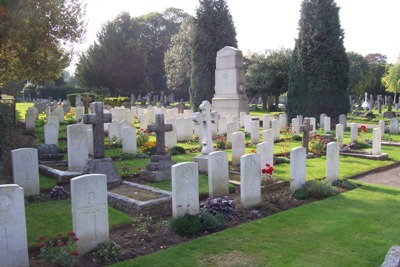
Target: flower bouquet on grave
column 266, row 174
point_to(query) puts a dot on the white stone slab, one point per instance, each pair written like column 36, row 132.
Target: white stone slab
column 332, row 161
column 268, row 136
column 266, row 121
column 13, row 237
column 218, row 174
column 185, row 189
column 295, row 126
column 77, row 146
column 343, row 120
column 266, row 151
column 339, row 134
column 255, row 132
column 114, row 132
column 353, row 132
column 394, row 126
column 297, row 168
column 276, row 130
column 129, row 144
column 376, row 141
column 51, row 133
column 89, row 210
column 238, row 147
column 25, row 168
column 250, row 181
column 327, row 124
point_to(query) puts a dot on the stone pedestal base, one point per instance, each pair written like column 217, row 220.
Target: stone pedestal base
column 103, row 166
column 202, row 160
column 158, row 169
column 232, row 104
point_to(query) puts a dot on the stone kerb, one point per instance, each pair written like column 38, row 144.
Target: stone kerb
column 25, row 166
column 185, row 189
column 13, row 237
column 89, row 210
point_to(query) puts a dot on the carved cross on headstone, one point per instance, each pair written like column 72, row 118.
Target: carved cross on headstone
column 160, row 128
column 306, row 128
column 205, row 118
column 97, row 118
column 86, row 102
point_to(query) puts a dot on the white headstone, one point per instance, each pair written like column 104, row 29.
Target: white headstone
column 255, row 131
column 13, row 237
column 266, row 151
column 321, row 120
column 376, row 141
column 59, row 111
column 313, row 122
column 77, row 146
column 222, row 127
column 185, row 188
column 114, row 133
column 129, row 145
column 295, row 126
column 297, row 168
column 180, row 129
column 189, row 128
column 238, row 147
column 144, row 121
column 268, row 136
column 89, row 134
column 247, row 123
column 339, row 134
column 276, row 129
column 250, row 181
column 79, row 114
column 353, row 132
column 266, row 121
column 382, row 126
column 300, row 119
column 327, row 124
column 89, row 210
column 230, row 129
column 30, row 118
column 394, row 126
column 241, row 119
column 25, row 168
column 218, row 174
column 170, row 138
column 283, row 120
column 51, row 133
column 332, row 161
column 343, row 120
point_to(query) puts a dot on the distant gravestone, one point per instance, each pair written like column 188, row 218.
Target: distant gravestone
column 77, row 147
column 297, row 168
column 339, row 133
column 266, row 121
column 250, row 181
column 170, row 138
column 51, row 133
column 394, row 126
column 30, row 118
column 332, row 161
column 59, row 112
column 327, row 124
column 306, row 129
column 276, row 129
column 238, row 147
column 353, row 132
column 129, row 144
column 283, row 120
column 321, row 120
column 13, row 237
column 114, row 134
column 185, row 189
column 25, row 168
column 247, row 123
column 295, row 126
column 343, row 120
column 86, row 102
column 382, row 126
column 268, row 136
column 89, row 210
column 218, row 174
column 266, row 151
column 255, row 132
column 79, row 114
column 376, row 141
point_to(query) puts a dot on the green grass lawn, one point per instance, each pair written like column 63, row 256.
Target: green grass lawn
column 356, row 228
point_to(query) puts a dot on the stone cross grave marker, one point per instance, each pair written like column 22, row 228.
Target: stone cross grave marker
column 160, row 128
column 306, row 128
column 86, row 102
column 98, row 118
column 205, row 118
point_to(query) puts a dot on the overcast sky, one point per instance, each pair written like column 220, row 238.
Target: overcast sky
column 370, row 26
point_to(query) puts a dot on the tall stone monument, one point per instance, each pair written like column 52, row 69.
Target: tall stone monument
column 230, row 95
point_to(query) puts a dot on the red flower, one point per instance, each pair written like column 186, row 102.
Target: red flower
column 42, row 237
column 267, row 165
column 139, row 169
column 71, row 234
column 74, row 253
column 59, row 235
column 75, row 238
column 42, row 245
column 264, row 171
column 363, row 128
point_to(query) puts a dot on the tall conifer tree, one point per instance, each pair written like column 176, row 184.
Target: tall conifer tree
column 318, row 76
column 214, row 30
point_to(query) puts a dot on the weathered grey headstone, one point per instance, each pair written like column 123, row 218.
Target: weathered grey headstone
column 332, row 161
column 25, row 168
column 218, row 174
column 51, row 133
column 382, row 126
column 30, row 118
column 89, row 210
column 250, row 181
column 297, row 168
column 343, row 120
column 13, row 237
column 394, row 126
column 185, row 189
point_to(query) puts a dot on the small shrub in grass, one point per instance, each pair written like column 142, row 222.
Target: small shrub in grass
column 58, row 192
column 37, row 198
column 301, row 194
column 142, row 137
column 210, row 222
column 106, row 252
column 281, row 160
column 187, row 225
column 141, row 224
column 177, row 150
column 345, row 184
column 224, row 206
column 297, row 138
column 319, row 189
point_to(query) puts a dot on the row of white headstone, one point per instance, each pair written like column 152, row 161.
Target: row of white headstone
column 89, row 218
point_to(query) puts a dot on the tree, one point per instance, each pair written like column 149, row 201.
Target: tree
column 376, row 58
column 370, row 81
column 268, row 74
column 318, row 76
column 177, row 60
column 358, row 66
column 391, row 79
column 213, row 30
column 36, row 38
